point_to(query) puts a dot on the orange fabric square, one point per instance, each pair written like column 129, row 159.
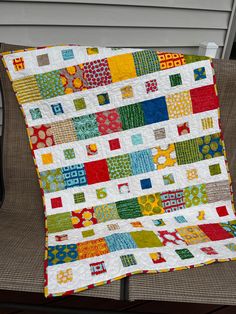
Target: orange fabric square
column 92, row 248
column 47, row 159
column 19, row 64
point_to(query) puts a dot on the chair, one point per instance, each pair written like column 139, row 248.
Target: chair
column 22, row 218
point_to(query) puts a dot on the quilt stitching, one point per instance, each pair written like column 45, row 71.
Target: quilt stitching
column 117, row 146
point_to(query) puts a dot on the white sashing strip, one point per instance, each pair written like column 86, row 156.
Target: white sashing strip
column 56, row 59
column 125, row 139
column 192, row 216
column 114, row 267
column 115, row 96
column 156, row 177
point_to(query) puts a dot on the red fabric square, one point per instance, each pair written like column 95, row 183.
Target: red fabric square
column 183, row 128
column 97, row 171
column 204, row 98
column 222, row 211
column 108, row 121
column 114, row 144
column 209, row 250
column 83, row 217
column 215, row 232
column 56, row 202
column 41, row 136
column 151, row 86
column 97, row 73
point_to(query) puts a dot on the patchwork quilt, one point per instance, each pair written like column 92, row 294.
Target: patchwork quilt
column 130, row 159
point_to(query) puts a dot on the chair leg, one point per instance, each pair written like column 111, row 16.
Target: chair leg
column 124, row 289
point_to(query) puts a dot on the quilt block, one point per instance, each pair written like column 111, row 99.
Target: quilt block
column 130, row 160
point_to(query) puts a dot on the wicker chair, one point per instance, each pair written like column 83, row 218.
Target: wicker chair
column 22, row 218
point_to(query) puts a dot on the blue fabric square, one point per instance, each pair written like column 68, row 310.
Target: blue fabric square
column 146, row 184
column 103, row 99
column 67, row 54
column 199, row 73
column 142, row 162
column 155, row 110
column 86, row 126
column 60, row 254
column 159, row 222
column 57, row 109
column 180, row 219
column 74, row 176
column 35, row 113
column 120, row 241
column 137, row 139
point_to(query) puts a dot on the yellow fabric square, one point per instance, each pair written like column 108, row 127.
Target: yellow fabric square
column 192, row 235
column 179, row 104
column 151, row 204
column 127, row 92
column 192, row 174
column 26, row 89
column 122, row 67
column 164, row 156
column 47, row 158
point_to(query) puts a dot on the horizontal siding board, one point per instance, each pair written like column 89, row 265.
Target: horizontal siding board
column 218, row 5
column 106, row 15
column 109, row 36
column 187, row 50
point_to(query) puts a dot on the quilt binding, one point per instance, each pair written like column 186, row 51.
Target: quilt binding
column 70, row 292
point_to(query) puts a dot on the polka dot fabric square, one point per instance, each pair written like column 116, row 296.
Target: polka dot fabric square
column 130, row 160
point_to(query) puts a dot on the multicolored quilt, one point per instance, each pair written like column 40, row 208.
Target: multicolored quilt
column 130, row 159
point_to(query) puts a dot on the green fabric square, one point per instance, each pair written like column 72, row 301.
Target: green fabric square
column 175, row 80
column 59, row 222
column 195, row 195
column 88, row 233
column 52, row 180
column 50, row 84
column 187, row 152
column 146, row 61
column 128, row 208
column 106, row 212
column 119, row 166
column 131, row 116
column 168, row 179
column 184, row 253
column 79, row 103
column 191, row 59
column 145, row 239
column 79, row 197
column 69, row 153
column 214, row 169
column 128, row 260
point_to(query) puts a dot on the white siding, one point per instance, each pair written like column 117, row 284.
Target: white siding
column 128, row 23
column 166, row 25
